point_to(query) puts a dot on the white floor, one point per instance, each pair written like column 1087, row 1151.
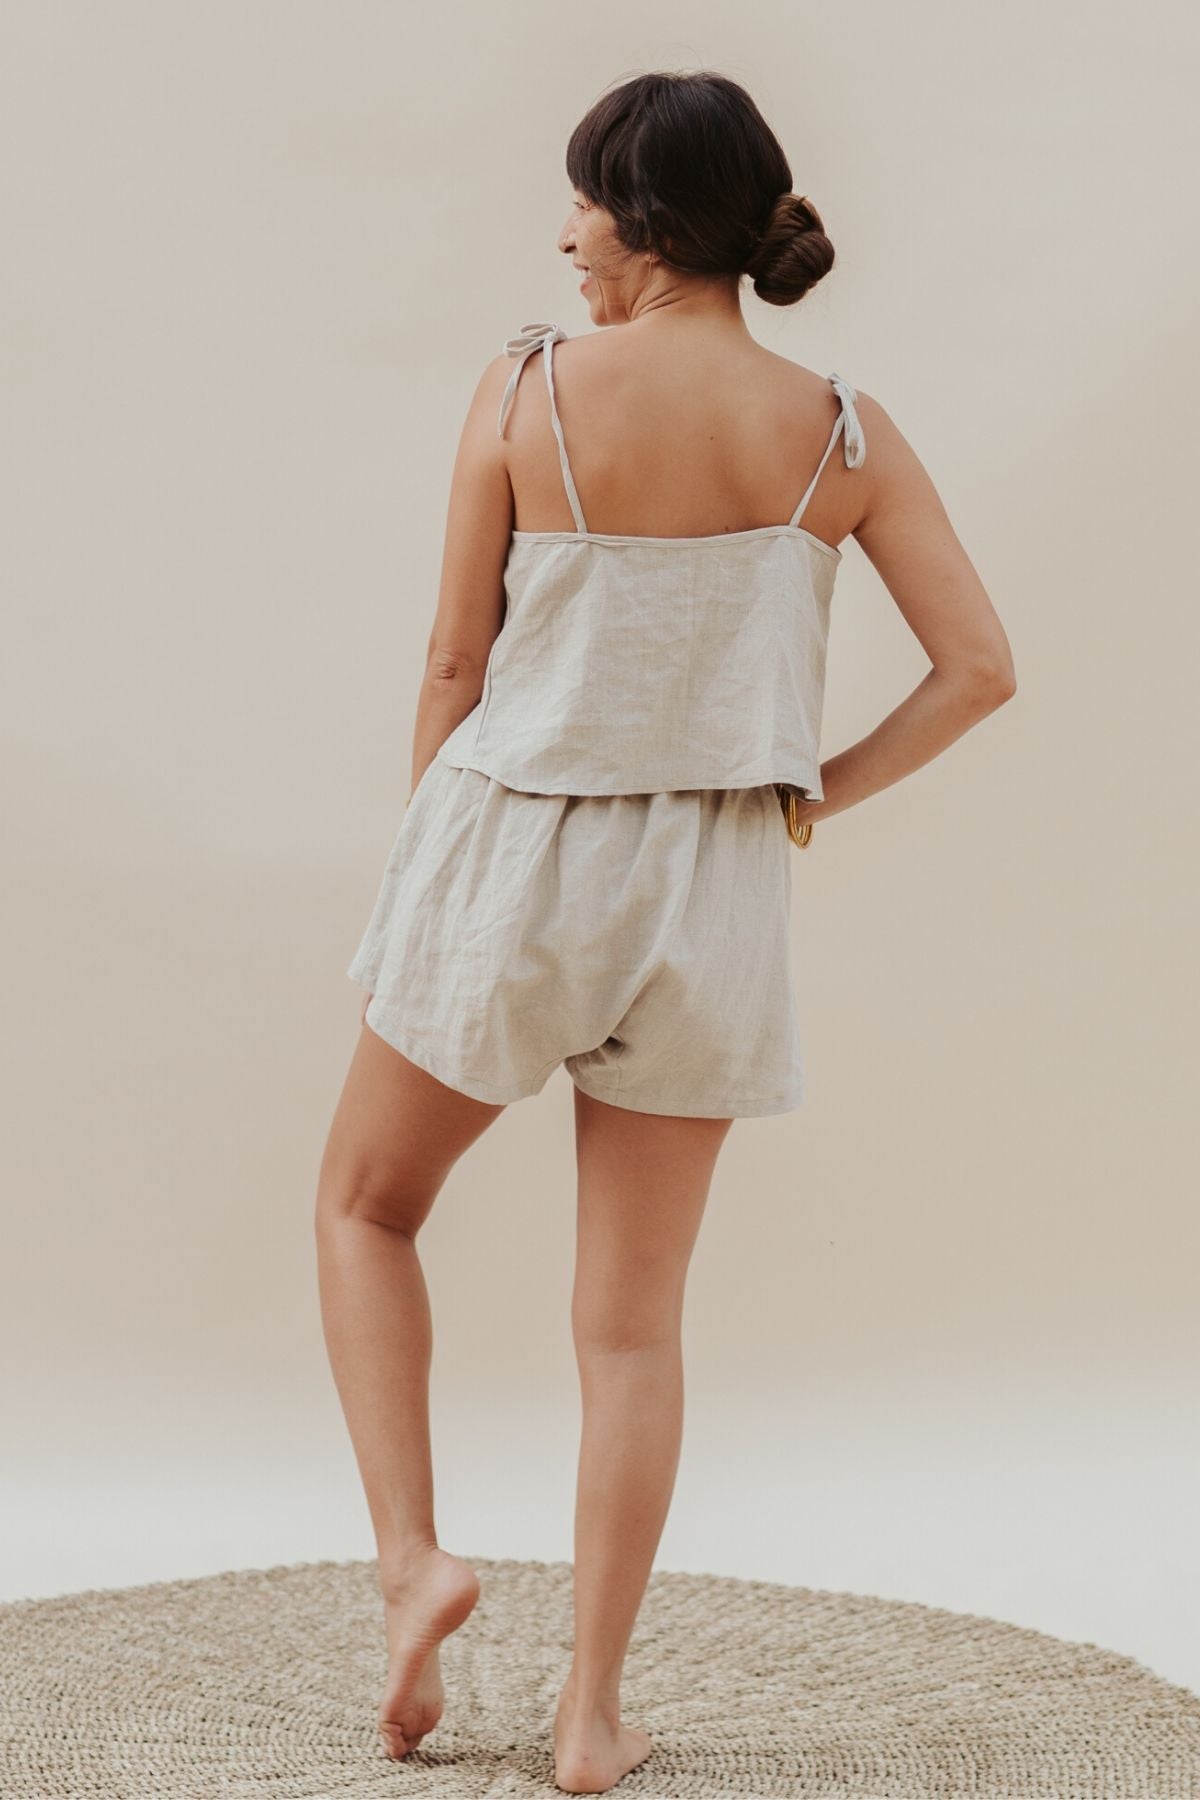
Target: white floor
column 1090, row 1539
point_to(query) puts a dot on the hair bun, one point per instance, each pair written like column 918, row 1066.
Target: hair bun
column 791, row 253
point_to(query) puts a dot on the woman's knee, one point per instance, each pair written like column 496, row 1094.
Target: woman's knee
column 609, row 1317
column 375, row 1193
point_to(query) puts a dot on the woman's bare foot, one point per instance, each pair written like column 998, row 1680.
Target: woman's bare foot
column 424, row 1601
column 592, row 1749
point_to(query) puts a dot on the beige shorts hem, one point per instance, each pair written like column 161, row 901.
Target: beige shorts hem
column 633, row 1101
column 492, row 1093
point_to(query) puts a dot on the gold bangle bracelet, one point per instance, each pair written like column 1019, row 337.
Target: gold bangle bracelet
column 800, row 834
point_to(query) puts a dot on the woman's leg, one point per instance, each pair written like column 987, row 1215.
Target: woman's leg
column 396, row 1134
column 643, row 1182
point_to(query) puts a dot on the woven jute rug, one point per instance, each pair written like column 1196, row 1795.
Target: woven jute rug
column 267, row 1682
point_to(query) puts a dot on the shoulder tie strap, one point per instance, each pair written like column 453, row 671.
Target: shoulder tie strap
column 855, row 443
column 530, row 338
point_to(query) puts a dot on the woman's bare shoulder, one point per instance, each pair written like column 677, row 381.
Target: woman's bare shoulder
column 897, row 480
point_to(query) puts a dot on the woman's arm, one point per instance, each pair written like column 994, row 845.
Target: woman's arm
column 910, row 540
column 470, row 607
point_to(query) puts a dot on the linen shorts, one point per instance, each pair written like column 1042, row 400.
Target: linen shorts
column 641, row 940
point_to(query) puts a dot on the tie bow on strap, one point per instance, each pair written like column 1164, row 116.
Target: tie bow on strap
column 529, row 338
column 856, row 444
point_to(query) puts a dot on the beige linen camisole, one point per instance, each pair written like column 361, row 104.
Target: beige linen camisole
column 629, row 665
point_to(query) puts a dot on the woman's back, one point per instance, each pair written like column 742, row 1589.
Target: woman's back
column 677, row 429
column 646, row 660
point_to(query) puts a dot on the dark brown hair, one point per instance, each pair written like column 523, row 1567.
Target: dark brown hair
column 689, row 168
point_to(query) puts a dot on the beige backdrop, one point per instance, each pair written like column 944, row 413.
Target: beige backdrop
column 941, row 1330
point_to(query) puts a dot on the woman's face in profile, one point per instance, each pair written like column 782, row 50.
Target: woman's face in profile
column 610, row 276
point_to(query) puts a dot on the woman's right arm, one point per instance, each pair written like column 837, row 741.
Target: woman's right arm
column 470, row 604
column 908, row 537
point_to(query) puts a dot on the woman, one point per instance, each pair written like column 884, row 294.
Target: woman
column 594, row 867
